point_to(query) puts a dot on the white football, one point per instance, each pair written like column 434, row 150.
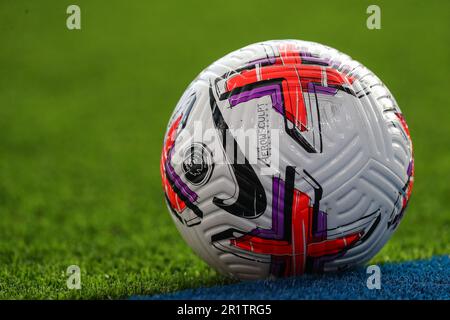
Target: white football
column 286, row 157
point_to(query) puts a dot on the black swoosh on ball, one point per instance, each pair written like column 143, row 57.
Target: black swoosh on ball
column 251, row 201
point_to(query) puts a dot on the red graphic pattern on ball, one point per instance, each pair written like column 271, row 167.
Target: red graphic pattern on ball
column 300, row 246
column 286, row 78
column 175, row 202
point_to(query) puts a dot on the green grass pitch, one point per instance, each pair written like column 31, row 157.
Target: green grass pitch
column 83, row 113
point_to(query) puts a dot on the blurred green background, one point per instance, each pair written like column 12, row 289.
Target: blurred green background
column 83, row 113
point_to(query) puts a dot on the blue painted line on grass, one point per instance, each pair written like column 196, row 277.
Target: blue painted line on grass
column 418, row 280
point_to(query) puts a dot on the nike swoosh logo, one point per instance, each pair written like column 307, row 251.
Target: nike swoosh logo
column 251, row 200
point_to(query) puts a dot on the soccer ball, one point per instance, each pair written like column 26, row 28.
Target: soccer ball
column 286, row 157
